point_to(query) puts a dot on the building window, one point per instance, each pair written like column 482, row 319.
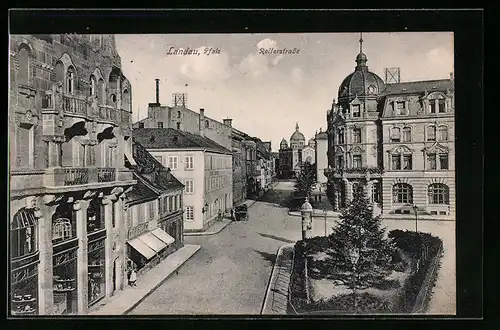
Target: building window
column 441, row 105
column 402, row 193
column 23, row 60
column 93, row 86
column 70, row 80
column 432, row 106
column 443, row 161
column 160, row 124
column 395, row 134
column 95, row 217
column 443, row 133
column 23, row 233
column 407, row 162
column 172, row 162
column 170, row 204
column 180, row 201
column 96, row 271
column 356, row 110
column 189, row 163
column 25, row 146
column 399, row 108
column 151, row 210
column 396, row 162
column 431, row 162
column 176, row 203
column 159, row 159
column 438, row 193
column 356, row 161
column 141, row 125
column 431, row 133
column 165, row 204
column 189, row 213
column 61, row 230
column 340, row 135
column 65, row 295
column 189, row 186
column 178, row 114
column 406, row 134
column 356, row 133
column 207, row 124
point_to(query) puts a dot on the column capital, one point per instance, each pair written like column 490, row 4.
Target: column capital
column 80, row 204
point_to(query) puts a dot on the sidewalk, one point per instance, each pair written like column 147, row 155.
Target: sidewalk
column 316, row 213
column 276, row 300
column 124, row 301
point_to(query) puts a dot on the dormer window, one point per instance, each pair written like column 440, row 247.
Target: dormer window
column 356, row 110
column 399, row 108
column 432, row 106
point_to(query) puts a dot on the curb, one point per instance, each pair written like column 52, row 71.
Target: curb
column 160, row 283
column 273, row 273
column 203, row 233
column 317, row 215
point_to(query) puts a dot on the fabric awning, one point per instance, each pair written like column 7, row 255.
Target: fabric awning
column 161, row 234
column 129, row 157
column 142, row 248
column 24, row 218
column 152, row 241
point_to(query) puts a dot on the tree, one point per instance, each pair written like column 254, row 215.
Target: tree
column 305, row 180
column 359, row 230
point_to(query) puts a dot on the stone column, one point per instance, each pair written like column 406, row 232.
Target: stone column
column 45, row 268
column 108, row 245
column 336, row 197
column 121, row 221
column 349, row 192
column 82, row 257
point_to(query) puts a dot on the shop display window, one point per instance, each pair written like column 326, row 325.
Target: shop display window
column 24, row 294
column 64, row 283
column 63, row 223
column 95, row 216
column 23, row 233
column 96, row 271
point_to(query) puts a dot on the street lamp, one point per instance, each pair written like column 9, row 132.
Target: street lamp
column 325, row 212
column 354, row 256
column 306, row 211
column 415, row 208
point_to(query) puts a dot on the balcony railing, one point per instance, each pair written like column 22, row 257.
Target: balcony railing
column 106, row 174
column 74, row 105
column 107, row 113
column 71, row 176
column 337, row 172
column 125, row 117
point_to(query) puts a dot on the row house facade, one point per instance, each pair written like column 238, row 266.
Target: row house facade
column 69, row 133
column 155, row 212
column 397, row 141
column 203, row 167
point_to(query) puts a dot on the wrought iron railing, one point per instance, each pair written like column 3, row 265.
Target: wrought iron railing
column 71, row 176
column 106, row 174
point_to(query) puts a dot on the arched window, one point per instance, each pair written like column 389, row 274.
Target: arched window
column 70, row 80
column 443, row 133
column 207, row 124
column 23, row 233
column 126, row 100
column 431, row 133
column 402, row 193
column 395, row 134
column 23, row 59
column 407, row 134
column 61, row 230
column 102, row 91
column 438, row 194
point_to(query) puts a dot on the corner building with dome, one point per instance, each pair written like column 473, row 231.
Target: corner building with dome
column 396, row 140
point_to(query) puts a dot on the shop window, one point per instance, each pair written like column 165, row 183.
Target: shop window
column 402, row 193
column 24, row 292
column 95, row 216
column 23, row 233
column 96, row 271
column 438, row 193
column 62, row 230
column 64, row 283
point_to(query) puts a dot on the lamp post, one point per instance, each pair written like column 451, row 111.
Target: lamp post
column 306, row 211
column 325, row 212
column 415, row 208
column 354, row 256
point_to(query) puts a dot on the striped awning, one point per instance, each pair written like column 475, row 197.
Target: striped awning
column 24, row 218
column 161, row 234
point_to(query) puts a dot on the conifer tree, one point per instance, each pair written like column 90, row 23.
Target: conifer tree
column 358, row 229
column 305, row 180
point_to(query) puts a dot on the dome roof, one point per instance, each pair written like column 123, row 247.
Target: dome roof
column 297, row 136
column 322, row 136
column 361, row 82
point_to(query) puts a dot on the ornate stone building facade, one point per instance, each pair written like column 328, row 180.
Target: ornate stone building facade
column 395, row 140
column 69, row 132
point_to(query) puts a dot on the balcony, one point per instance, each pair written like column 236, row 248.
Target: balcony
column 353, row 172
column 75, row 105
column 70, row 176
column 107, row 113
column 106, row 174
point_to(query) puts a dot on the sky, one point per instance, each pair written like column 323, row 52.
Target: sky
column 267, row 94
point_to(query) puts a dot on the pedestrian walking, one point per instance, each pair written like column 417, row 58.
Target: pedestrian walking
column 220, row 215
column 133, row 277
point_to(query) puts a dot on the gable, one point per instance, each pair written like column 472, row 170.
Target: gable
column 356, row 150
column 401, row 150
column 436, row 147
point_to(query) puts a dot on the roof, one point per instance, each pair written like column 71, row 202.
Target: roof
column 169, row 138
column 140, row 192
column 413, row 87
column 153, row 177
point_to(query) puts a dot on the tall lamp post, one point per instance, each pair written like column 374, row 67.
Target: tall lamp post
column 306, row 211
column 325, row 212
column 415, row 208
column 354, row 256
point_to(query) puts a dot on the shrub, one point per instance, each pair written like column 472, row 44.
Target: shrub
column 367, row 304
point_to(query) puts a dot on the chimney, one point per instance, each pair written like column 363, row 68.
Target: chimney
column 202, row 122
column 157, row 91
column 227, row 122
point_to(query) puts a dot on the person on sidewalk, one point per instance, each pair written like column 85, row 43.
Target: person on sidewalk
column 133, row 277
column 220, row 215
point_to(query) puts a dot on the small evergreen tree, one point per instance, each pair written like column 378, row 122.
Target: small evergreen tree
column 305, row 180
column 358, row 229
